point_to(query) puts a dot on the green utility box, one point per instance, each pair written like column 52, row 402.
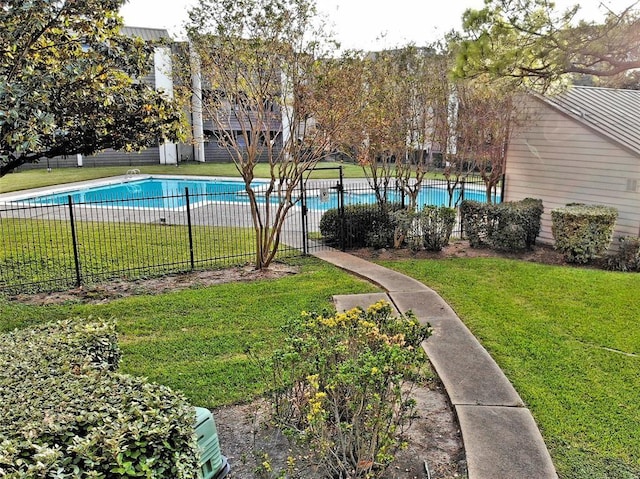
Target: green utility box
column 213, row 465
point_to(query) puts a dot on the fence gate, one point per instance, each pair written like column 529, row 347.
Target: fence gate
column 316, row 197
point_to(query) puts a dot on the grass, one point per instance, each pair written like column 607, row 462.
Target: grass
column 197, row 340
column 40, row 177
column 568, row 339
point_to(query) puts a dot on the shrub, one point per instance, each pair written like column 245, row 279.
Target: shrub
column 627, row 258
column 364, row 225
column 404, row 226
column 509, row 226
column 515, row 225
column 583, row 232
column 340, row 386
column 475, row 222
column 66, row 413
column 436, row 225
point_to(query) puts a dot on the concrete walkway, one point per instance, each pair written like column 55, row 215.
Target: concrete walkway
column 500, row 436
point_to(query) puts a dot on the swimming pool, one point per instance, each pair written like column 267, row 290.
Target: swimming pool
column 149, row 193
column 169, row 193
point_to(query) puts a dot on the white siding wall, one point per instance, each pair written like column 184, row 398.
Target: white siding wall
column 559, row 160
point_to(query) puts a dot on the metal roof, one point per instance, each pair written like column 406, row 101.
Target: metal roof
column 147, row 34
column 611, row 112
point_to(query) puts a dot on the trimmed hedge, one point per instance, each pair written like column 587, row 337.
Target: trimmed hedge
column 509, row 226
column 627, row 258
column 365, row 225
column 583, row 232
column 64, row 412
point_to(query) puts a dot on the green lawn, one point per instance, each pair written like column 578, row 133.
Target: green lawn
column 569, row 340
column 196, row 340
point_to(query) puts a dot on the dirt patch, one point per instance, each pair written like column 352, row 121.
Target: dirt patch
column 118, row 288
column 461, row 249
column 435, row 447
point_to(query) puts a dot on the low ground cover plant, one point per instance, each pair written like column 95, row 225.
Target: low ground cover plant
column 341, row 386
column 627, row 258
column 583, row 232
column 66, row 412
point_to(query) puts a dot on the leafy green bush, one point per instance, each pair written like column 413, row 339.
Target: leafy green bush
column 509, row 226
column 404, row 227
column 66, row 413
column 627, row 258
column 340, row 385
column 364, row 225
column 515, row 224
column 583, row 232
column 475, row 222
column 436, row 225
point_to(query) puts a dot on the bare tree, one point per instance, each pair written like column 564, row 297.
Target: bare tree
column 392, row 134
column 373, row 135
column 488, row 118
column 421, row 88
column 272, row 97
column 447, row 124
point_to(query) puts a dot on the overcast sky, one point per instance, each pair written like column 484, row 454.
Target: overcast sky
column 357, row 23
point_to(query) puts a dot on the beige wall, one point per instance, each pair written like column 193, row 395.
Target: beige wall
column 560, row 160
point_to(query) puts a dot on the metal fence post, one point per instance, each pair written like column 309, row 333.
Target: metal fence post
column 74, row 239
column 343, row 233
column 305, row 232
column 186, row 193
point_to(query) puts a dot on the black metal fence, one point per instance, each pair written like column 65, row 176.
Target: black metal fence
column 65, row 243
column 49, row 247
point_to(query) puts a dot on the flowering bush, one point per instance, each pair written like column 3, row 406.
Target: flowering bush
column 342, row 385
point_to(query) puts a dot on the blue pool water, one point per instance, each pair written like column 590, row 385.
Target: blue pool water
column 150, row 193
column 170, row 193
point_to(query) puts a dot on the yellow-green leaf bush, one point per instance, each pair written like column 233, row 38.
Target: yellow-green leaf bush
column 583, row 232
column 342, row 386
column 65, row 412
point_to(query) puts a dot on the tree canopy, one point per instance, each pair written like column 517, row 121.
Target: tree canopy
column 69, row 83
column 531, row 41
